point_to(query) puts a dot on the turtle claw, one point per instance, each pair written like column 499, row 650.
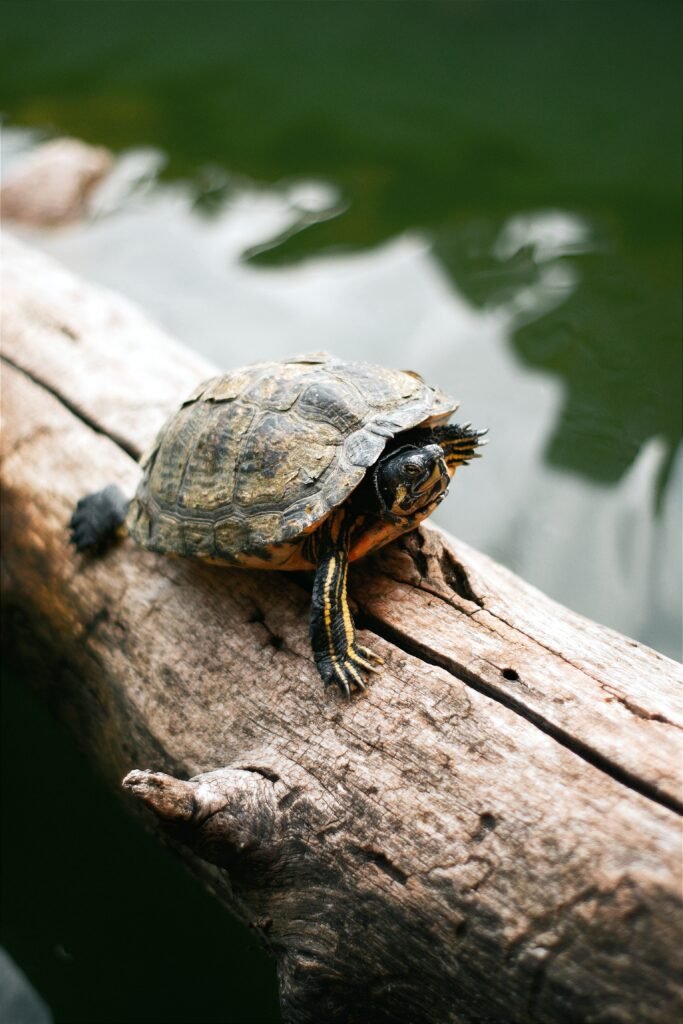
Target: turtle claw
column 365, row 657
column 345, row 671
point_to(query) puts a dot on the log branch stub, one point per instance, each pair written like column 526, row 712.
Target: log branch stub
column 172, row 800
column 490, row 833
column 226, row 815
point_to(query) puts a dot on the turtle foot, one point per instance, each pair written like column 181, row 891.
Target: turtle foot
column 346, row 671
column 97, row 518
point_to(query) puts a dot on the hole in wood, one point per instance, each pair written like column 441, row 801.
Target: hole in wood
column 509, row 673
column 487, row 823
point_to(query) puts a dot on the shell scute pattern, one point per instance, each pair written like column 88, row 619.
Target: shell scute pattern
column 381, row 388
column 279, row 452
column 332, row 402
column 166, row 463
column 230, row 385
column 208, row 481
column 230, row 535
column 254, row 459
column 276, row 387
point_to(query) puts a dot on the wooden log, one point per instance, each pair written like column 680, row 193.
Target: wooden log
column 54, row 183
column 490, row 833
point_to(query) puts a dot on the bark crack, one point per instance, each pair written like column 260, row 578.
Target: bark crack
column 126, row 446
column 631, row 706
column 561, row 736
column 456, row 578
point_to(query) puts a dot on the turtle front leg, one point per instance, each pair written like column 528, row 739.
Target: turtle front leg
column 338, row 656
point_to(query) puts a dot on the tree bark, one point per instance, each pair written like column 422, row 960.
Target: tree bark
column 490, row 833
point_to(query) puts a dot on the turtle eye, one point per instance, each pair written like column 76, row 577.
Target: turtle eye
column 411, row 469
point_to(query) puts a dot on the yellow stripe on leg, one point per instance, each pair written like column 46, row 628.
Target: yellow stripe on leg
column 367, row 665
column 349, row 628
column 327, row 605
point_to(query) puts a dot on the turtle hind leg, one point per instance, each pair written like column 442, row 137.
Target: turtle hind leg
column 339, row 658
column 97, row 518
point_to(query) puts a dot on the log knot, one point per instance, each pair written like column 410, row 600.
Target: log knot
column 422, row 560
column 227, row 817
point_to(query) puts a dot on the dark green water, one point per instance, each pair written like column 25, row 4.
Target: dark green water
column 502, row 213
column 441, row 117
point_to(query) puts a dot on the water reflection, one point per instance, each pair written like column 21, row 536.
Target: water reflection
column 595, row 547
column 547, row 236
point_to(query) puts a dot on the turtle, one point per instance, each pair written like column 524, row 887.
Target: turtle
column 305, row 464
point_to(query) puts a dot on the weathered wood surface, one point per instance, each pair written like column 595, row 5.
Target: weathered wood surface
column 53, row 184
column 490, row 833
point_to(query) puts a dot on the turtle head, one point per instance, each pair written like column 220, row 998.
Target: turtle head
column 411, row 479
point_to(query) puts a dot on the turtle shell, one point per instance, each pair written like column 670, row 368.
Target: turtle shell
column 257, row 458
